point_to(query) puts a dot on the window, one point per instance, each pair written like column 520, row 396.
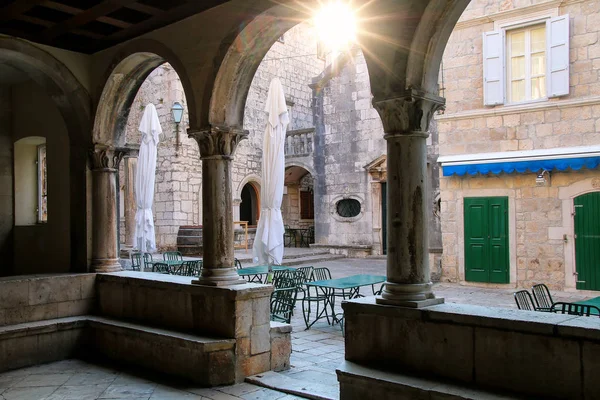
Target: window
column 321, row 51
column 526, row 61
column 42, row 205
column 307, row 205
column 348, row 208
column 526, row 64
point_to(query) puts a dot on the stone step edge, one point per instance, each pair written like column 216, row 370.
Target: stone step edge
column 371, row 377
column 292, row 256
column 298, row 261
column 282, row 383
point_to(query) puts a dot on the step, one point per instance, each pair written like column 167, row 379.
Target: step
column 286, row 256
column 360, row 382
column 288, row 384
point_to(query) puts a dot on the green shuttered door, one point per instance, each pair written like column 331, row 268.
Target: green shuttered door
column 486, row 239
column 587, row 241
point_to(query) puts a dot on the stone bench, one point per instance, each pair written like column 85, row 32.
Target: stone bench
column 204, row 360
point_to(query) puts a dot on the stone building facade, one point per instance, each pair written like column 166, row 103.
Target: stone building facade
column 511, row 159
column 335, row 153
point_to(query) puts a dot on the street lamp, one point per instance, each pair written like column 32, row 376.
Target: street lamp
column 177, row 111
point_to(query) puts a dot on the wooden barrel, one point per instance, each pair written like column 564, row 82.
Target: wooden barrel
column 189, row 240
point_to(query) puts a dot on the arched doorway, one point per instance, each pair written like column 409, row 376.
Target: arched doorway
column 250, row 205
column 44, row 121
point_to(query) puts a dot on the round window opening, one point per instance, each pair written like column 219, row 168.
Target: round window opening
column 348, row 208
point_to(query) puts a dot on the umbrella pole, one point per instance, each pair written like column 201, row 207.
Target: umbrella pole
column 269, row 271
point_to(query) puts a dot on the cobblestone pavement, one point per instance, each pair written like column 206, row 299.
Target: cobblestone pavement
column 316, row 354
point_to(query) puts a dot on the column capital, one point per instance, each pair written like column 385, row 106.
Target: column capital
column 407, row 113
column 217, row 142
column 106, row 158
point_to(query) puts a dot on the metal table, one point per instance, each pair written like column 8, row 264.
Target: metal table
column 254, row 274
column 591, row 302
column 349, row 287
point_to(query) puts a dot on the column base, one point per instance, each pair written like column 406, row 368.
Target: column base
column 106, row 265
column 219, row 277
column 415, row 295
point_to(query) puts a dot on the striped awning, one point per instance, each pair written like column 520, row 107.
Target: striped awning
column 534, row 161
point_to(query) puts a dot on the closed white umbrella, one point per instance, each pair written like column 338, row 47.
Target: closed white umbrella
column 268, row 244
column 144, row 180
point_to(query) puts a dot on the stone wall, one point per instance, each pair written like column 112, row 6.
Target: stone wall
column 538, row 216
column 178, row 169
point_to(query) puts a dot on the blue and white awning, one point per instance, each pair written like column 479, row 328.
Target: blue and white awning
column 508, row 162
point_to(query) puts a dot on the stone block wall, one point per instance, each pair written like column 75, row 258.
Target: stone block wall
column 541, row 232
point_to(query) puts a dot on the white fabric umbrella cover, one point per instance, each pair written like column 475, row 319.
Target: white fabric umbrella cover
column 144, row 180
column 268, row 244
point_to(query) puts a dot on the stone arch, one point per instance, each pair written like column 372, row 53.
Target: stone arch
column 251, row 178
column 74, row 105
column 122, row 80
column 69, row 95
column 300, row 164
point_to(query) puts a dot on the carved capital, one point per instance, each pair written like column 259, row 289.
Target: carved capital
column 408, row 112
column 105, row 158
column 217, row 141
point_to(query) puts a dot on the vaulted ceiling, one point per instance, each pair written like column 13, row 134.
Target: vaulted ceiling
column 88, row 26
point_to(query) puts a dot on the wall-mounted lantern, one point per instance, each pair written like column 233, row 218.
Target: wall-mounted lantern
column 177, row 111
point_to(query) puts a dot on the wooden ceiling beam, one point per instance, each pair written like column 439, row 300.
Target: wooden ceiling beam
column 34, row 20
column 95, row 13
column 17, row 8
column 75, row 11
column 144, row 8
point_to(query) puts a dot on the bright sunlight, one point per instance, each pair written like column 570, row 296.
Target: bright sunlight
column 336, row 25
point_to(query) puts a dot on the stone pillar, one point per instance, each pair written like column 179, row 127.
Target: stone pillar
column 130, row 169
column 406, row 121
column 105, row 166
column 217, row 147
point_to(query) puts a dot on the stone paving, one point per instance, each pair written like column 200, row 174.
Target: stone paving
column 316, row 354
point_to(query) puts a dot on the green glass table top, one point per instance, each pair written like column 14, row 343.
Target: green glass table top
column 349, row 282
column 262, row 269
column 591, row 302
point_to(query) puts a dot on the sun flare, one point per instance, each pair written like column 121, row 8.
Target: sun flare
column 336, row 25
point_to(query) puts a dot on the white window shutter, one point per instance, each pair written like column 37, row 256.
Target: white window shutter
column 493, row 68
column 557, row 35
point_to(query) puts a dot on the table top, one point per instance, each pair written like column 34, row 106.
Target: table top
column 591, row 302
column 172, row 262
column 262, row 269
column 349, row 282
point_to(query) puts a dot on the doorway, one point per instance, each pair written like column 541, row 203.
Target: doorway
column 587, row 240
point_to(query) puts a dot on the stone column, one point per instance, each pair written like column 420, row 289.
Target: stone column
column 130, row 169
column 105, row 166
column 217, row 147
column 406, row 121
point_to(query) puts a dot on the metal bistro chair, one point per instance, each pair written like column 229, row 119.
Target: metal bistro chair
column 237, row 263
column 316, row 295
column 280, row 279
column 575, row 309
column 190, row 268
column 148, row 261
column 161, row 268
column 283, row 301
column 289, row 236
column 136, row 261
column 542, row 297
column 524, row 300
column 172, row 256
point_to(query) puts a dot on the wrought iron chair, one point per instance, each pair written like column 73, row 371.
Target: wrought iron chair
column 280, row 279
column 542, row 297
column 289, row 236
column 238, row 264
column 148, row 260
column 136, row 261
column 524, row 300
column 318, row 296
column 283, row 301
column 172, row 256
column 161, row 268
column 575, row 309
column 189, row 268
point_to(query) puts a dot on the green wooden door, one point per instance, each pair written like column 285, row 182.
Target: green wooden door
column 486, row 239
column 384, row 217
column 587, row 240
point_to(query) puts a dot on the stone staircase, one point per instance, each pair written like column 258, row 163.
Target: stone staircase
column 294, row 256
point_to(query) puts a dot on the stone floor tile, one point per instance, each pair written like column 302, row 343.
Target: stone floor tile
column 59, row 367
column 93, row 378
column 43, row 380
column 82, row 392
column 315, row 376
column 239, row 389
column 28, row 393
column 128, row 391
column 127, row 379
column 263, row 394
column 212, row 394
column 168, row 393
